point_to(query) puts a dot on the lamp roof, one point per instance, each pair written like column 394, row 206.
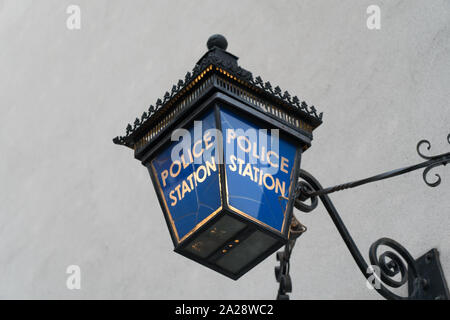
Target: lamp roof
column 216, row 58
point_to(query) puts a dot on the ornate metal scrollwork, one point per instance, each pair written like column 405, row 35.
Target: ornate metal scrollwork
column 303, row 190
column 430, row 163
column 390, row 263
column 435, row 161
column 396, row 266
column 282, row 271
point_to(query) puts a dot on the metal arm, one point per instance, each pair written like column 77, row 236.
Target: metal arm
column 418, row 273
column 432, row 161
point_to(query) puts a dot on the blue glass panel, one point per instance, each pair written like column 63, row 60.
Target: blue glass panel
column 259, row 170
column 188, row 176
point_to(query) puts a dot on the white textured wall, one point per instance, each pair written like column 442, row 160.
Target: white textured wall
column 69, row 196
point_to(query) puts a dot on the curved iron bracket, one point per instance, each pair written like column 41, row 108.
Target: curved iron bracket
column 392, row 268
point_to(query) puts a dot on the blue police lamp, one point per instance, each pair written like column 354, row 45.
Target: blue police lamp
column 223, row 150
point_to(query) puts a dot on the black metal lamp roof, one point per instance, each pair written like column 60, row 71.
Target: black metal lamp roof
column 218, row 58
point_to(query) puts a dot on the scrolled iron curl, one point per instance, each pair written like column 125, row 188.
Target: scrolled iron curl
column 441, row 159
column 422, row 142
column 425, row 173
column 395, row 265
column 303, row 189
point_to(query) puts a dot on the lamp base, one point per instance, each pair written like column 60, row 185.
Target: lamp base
column 429, row 267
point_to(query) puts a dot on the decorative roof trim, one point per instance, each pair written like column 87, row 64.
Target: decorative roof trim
column 190, row 79
column 286, row 98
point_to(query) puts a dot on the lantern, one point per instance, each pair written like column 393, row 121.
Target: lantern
column 223, row 150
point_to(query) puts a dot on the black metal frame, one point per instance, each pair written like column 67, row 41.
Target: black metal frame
column 214, row 101
column 218, row 77
column 424, row 276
